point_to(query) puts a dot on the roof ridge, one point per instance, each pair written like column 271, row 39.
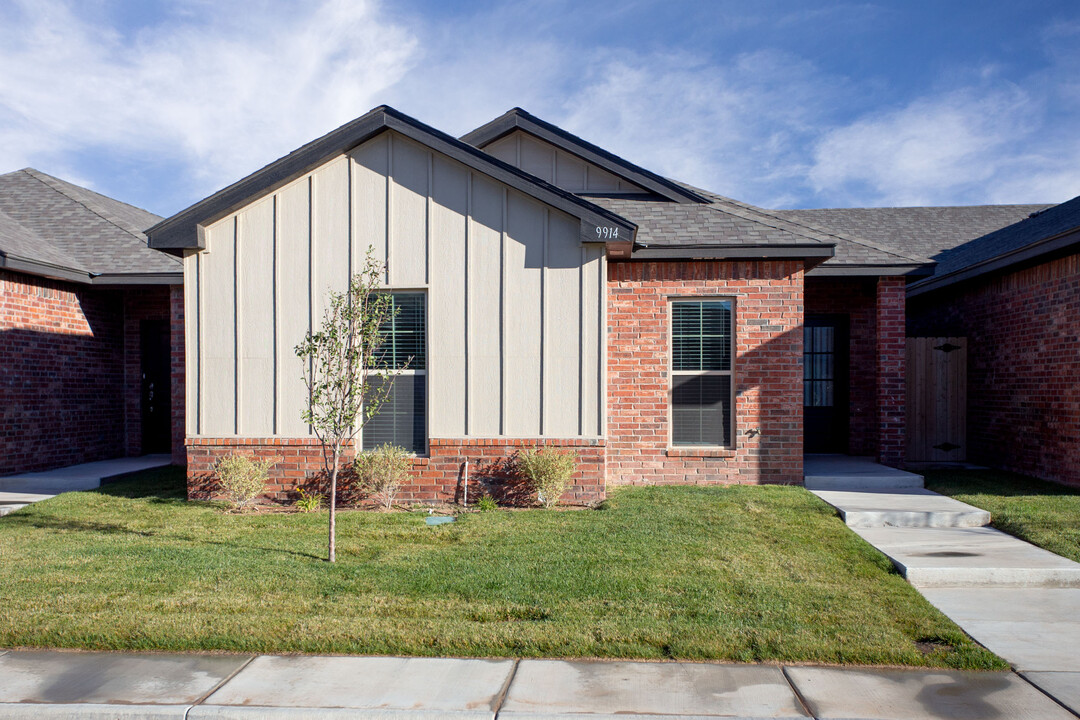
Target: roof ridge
column 817, row 228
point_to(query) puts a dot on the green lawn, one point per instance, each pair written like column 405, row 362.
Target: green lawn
column 738, row 573
column 1043, row 513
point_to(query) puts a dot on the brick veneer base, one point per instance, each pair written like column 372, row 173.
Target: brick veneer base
column 768, row 432
column 437, row 477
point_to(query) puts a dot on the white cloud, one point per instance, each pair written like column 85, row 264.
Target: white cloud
column 218, row 94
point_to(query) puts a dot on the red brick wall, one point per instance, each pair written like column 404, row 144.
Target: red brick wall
column 856, row 298
column 891, row 359
column 768, row 372
column 438, row 477
column 141, row 303
column 1023, row 331
column 61, row 374
column 179, row 396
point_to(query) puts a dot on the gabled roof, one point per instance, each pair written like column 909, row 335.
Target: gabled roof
column 1046, row 232
column 519, row 119
column 56, row 229
column 184, row 230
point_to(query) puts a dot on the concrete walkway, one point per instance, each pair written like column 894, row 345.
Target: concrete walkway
column 1018, row 600
column 18, row 491
column 76, row 685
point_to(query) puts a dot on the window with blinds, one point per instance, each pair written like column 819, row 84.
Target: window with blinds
column 402, row 418
column 702, row 338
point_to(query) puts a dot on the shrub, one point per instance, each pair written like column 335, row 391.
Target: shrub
column 382, row 471
column 549, row 472
column 308, row 501
column 486, row 503
column 242, row 479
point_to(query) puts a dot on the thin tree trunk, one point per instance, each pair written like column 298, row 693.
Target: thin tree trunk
column 333, row 504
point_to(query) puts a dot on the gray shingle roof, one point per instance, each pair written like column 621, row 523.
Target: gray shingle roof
column 47, row 221
column 915, row 231
column 1018, row 242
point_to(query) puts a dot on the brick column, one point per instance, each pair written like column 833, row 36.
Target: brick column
column 891, row 389
column 179, row 397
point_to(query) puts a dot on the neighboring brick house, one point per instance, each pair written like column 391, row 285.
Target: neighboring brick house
column 551, row 293
column 1015, row 295
column 91, row 340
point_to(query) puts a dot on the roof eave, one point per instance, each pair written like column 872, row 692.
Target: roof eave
column 1032, row 252
column 724, row 252
column 872, row 270
column 519, row 119
column 44, row 269
column 185, row 229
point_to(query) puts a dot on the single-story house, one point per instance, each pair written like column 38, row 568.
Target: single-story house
column 552, row 294
column 91, row 329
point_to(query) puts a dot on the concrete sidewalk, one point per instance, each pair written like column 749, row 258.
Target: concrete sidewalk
column 56, row 684
column 18, row 491
column 1016, row 599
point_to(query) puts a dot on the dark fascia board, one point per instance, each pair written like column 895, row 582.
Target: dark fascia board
column 83, row 277
column 43, row 269
column 1050, row 246
column 184, row 230
column 176, row 278
column 520, row 119
column 852, row 270
column 720, row 252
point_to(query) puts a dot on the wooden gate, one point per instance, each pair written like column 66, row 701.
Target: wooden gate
column 937, row 399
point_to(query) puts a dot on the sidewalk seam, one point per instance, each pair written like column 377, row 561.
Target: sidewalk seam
column 505, row 690
column 798, row 695
column 227, row 678
column 1036, row 686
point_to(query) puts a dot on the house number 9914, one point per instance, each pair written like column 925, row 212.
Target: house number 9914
column 607, row 233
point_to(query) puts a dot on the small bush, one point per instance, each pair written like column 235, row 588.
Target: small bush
column 548, row 471
column 242, row 479
column 486, row 503
column 308, row 501
column 382, row 471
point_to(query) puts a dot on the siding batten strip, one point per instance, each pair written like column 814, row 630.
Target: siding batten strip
column 428, row 209
column 465, row 343
column 311, row 270
column 389, row 201
column 502, row 314
column 581, row 340
column 199, row 315
column 275, row 280
column 237, row 344
column 601, row 382
column 544, row 318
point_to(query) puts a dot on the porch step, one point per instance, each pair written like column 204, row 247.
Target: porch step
column 841, row 472
column 970, row 557
column 908, row 508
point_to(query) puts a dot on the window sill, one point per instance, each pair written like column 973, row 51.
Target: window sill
column 707, row 452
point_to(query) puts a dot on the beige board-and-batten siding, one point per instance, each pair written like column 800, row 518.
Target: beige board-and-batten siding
column 514, row 297
column 557, row 166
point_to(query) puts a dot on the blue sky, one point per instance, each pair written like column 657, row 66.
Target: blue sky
column 781, row 104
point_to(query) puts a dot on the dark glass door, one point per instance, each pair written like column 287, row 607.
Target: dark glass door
column 825, row 384
column 156, row 402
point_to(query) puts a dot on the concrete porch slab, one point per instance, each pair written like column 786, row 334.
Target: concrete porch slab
column 90, row 684
column 577, row 690
column 911, row 507
column 844, row 472
column 18, row 491
column 921, row 695
column 385, row 687
column 1035, row 629
column 1063, row 686
column 970, row 557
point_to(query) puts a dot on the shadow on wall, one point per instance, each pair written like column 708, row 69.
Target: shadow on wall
column 63, row 395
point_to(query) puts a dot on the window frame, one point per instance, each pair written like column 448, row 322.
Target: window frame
column 672, row 373
column 423, row 292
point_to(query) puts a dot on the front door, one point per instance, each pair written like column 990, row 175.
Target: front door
column 825, row 384
column 156, row 402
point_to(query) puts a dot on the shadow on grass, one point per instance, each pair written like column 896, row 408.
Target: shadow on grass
column 165, row 485
column 996, row 482
column 106, row 528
